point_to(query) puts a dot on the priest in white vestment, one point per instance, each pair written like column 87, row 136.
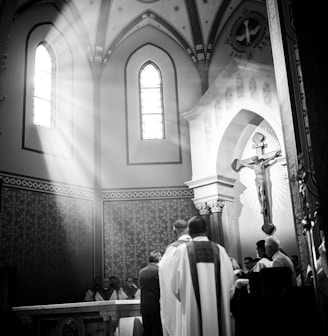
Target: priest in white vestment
column 203, row 281
column 170, row 306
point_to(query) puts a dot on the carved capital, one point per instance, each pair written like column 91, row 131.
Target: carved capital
column 211, row 206
column 203, row 208
column 216, row 205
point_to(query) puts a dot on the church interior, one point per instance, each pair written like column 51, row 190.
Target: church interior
column 118, row 117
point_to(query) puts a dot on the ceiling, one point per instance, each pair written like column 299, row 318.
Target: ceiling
column 104, row 24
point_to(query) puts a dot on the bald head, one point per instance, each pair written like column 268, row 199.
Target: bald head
column 180, row 227
column 272, row 245
column 180, row 224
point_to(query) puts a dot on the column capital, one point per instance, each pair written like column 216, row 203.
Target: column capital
column 216, row 205
column 210, row 206
column 203, row 208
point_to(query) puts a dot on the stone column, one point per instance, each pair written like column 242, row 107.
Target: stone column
column 204, row 211
column 211, row 211
column 216, row 207
column 210, row 195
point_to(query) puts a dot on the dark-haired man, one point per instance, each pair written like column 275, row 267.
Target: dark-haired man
column 249, row 263
column 264, row 261
column 203, row 281
column 150, row 296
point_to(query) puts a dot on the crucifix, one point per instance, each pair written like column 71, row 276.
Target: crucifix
column 259, row 163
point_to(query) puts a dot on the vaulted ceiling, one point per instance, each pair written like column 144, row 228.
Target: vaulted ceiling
column 104, row 24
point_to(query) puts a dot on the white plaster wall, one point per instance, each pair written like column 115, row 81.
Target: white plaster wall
column 116, row 172
column 213, row 115
column 76, row 165
column 224, row 125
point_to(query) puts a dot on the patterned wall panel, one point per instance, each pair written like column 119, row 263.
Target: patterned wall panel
column 47, row 237
column 137, row 222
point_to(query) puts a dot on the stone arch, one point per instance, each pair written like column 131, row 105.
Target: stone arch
column 237, row 131
column 242, row 215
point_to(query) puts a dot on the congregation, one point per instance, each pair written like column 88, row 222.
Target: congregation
column 196, row 288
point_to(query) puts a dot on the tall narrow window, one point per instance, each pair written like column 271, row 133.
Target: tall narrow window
column 44, row 77
column 151, row 98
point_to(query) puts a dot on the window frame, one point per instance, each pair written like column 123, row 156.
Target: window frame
column 52, row 100
column 142, row 68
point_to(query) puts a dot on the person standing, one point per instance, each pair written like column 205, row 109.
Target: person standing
column 203, row 281
column 150, row 296
column 264, row 261
column 170, row 306
column 249, row 263
column 279, row 259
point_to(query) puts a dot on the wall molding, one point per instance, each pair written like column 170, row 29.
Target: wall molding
column 40, row 185
column 147, row 193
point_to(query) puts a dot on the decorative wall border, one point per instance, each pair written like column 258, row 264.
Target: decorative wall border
column 147, row 193
column 39, row 185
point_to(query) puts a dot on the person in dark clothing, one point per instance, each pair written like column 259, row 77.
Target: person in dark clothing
column 150, row 296
column 264, row 260
column 249, row 263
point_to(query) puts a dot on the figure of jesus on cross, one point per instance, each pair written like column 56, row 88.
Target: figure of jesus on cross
column 259, row 166
column 259, row 163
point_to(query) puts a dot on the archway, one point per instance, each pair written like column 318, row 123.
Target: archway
column 242, row 219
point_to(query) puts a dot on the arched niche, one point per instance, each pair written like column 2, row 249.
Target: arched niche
column 242, row 219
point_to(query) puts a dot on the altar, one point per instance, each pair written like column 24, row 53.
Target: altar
column 80, row 318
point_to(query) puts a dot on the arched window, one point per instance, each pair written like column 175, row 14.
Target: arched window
column 151, row 101
column 44, row 83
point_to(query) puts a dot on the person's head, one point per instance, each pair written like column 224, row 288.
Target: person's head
column 96, row 282
column 155, row 257
column 106, row 283
column 248, row 262
column 272, row 245
column 129, row 281
column 260, row 248
column 197, row 226
column 115, row 281
column 180, row 227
